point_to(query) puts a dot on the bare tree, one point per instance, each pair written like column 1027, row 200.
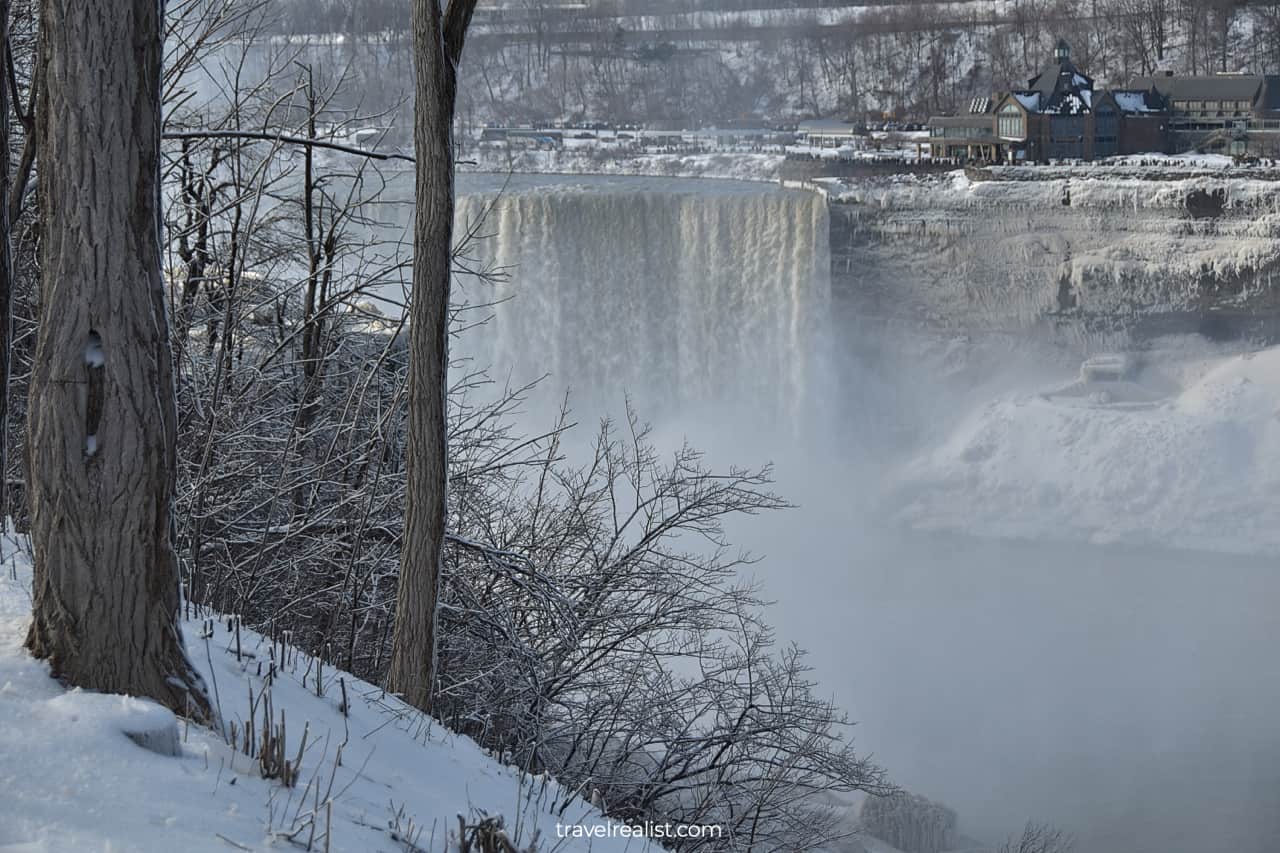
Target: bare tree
column 102, row 417
column 1039, row 838
column 438, row 39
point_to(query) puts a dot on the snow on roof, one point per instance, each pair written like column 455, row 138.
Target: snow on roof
column 1133, row 102
column 1029, row 100
column 1071, row 103
column 825, row 125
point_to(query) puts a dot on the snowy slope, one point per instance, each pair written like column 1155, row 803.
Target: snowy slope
column 1197, row 469
column 72, row 781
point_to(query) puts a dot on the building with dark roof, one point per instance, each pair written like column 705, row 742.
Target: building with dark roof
column 1228, row 113
column 1059, row 115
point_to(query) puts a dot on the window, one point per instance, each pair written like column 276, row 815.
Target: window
column 1011, row 123
column 1066, row 137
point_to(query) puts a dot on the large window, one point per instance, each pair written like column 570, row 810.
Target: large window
column 1066, row 138
column 1012, row 124
column 1106, row 133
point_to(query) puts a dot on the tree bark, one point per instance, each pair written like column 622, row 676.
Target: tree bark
column 6, row 267
column 438, row 39
column 103, row 410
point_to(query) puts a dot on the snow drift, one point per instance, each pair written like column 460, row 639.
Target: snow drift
column 1199, row 469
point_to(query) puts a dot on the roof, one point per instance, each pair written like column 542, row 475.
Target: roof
column 1138, row 101
column 1030, row 100
column 1270, row 100
column 979, row 120
column 1230, row 87
column 1062, row 88
column 825, row 125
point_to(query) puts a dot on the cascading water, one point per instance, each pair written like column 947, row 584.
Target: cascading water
column 681, row 298
column 692, row 297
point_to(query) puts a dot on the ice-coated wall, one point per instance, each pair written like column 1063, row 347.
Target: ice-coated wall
column 1092, row 257
column 678, row 295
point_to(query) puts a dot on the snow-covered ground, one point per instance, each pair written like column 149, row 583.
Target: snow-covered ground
column 596, row 158
column 1198, row 467
column 74, row 783
column 732, row 166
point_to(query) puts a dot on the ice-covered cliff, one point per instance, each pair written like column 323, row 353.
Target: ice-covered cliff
column 1104, row 256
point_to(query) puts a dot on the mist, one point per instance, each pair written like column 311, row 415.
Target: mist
column 1124, row 693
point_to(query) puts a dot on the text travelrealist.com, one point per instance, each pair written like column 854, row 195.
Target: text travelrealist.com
column 647, row 829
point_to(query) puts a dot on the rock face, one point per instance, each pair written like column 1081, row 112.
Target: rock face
column 1110, row 261
column 910, row 823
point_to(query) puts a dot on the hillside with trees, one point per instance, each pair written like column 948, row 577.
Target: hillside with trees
column 781, row 61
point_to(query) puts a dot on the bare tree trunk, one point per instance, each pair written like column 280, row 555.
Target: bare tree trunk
column 103, row 407
column 6, row 266
column 438, row 40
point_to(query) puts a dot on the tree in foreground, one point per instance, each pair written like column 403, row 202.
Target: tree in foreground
column 438, row 37
column 101, row 422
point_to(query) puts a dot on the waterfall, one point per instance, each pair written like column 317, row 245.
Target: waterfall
column 681, row 298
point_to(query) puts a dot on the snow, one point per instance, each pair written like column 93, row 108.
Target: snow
column 1201, row 161
column 1029, row 100
column 742, row 167
column 1198, row 469
column 1132, row 102
column 74, row 781
column 1146, row 182
column 1073, row 103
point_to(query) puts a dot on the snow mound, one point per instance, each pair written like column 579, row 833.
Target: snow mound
column 74, row 780
column 1199, row 469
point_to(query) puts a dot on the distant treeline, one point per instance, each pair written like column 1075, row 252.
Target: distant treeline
column 539, row 59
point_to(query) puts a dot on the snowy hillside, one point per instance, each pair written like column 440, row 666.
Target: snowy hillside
column 1188, row 460
column 380, row 778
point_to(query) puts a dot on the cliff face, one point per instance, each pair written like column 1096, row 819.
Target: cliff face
column 1094, row 259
